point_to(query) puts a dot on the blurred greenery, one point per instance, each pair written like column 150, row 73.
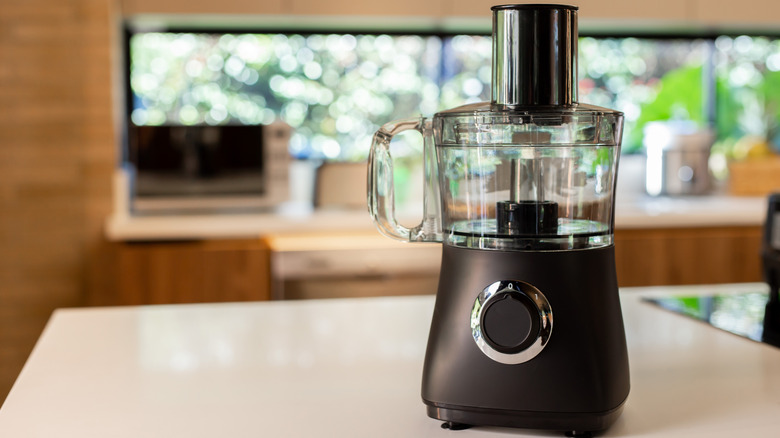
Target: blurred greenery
column 679, row 97
column 747, row 69
column 337, row 89
column 632, row 75
column 770, row 89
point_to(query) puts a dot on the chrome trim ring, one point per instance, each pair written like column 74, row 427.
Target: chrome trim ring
column 492, row 292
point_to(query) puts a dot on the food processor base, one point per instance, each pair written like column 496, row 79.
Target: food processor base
column 573, row 424
column 579, row 380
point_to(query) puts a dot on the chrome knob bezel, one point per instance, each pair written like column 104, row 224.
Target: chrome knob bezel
column 495, row 291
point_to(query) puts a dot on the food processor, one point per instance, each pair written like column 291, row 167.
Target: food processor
column 527, row 329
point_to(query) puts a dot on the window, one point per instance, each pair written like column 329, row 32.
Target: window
column 747, row 75
column 336, row 89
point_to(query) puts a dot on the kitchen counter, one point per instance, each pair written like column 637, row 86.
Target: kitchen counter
column 349, row 367
column 630, row 213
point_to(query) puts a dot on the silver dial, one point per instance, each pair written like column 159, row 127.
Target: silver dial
column 511, row 321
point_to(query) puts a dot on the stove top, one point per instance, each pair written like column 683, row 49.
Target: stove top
column 741, row 314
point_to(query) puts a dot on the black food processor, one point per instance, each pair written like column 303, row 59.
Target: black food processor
column 527, row 329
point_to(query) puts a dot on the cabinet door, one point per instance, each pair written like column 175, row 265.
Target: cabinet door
column 186, row 272
column 656, row 257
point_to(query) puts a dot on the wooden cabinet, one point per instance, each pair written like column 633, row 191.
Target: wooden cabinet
column 184, row 272
column 671, row 256
column 360, row 264
column 350, row 264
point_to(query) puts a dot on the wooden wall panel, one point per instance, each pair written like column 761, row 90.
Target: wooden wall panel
column 589, row 9
column 375, row 8
column 130, row 7
column 57, row 153
column 744, row 13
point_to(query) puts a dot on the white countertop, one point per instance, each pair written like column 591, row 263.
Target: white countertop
column 348, row 368
column 635, row 212
column 218, row 226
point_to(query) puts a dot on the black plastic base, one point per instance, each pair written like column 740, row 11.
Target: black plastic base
column 572, row 424
column 577, row 383
column 771, row 334
column 450, row 425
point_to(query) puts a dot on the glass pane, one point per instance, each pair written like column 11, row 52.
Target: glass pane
column 466, row 70
column 335, row 90
column 748, row 92
column 646, row 79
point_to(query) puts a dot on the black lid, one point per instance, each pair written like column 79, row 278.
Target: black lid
column 534, row 55
column 535, row 6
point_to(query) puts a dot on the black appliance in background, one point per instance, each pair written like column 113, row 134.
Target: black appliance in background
column 179, row 167
column 167, row 155
column 770, row 254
